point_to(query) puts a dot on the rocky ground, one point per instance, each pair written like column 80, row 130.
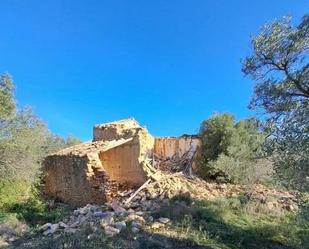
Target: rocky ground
column 139, row 212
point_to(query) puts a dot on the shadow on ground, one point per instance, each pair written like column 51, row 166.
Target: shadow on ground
column 193, row 224
column 203, row 220
column 144, row 240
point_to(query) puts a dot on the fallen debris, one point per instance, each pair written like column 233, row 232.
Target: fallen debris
column 122, row 155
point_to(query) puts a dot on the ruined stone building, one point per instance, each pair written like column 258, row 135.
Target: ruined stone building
column 119, row 155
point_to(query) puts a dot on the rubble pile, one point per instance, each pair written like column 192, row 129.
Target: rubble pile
column 172, row 185
column 130, row 175
column 121, row 153
column 111, row 218
column 174, row 163
column 138, row 213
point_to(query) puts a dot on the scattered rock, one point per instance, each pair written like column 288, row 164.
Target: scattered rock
column 70, row 230
column 136, row 224
column 135, row 229
column 157, row 225
column 51, row 230
column 120, row 225
column 45, row 226
column 140, row 213
column 131, row 211
column 98, row 214
column 74, row 224
column 3, row 243
column 117, row 208
column 62, row 225
column 107, row 219
column 164, row 220
column 111, row 231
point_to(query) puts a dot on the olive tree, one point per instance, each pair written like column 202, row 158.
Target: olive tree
column 279, row 66
column 24, row 139
column 7, row 103
column 231, row 151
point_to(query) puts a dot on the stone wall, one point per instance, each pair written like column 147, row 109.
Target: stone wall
column 115, row 130
column 67, row 179
column 122, row 164
column 91, row 172
column 118, row 155
column 168, row 147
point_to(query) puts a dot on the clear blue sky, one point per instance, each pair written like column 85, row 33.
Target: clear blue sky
column 168, row 63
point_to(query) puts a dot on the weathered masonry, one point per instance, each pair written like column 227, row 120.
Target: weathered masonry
column 118, row 156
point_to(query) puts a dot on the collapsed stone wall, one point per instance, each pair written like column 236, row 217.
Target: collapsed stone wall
column 124, row 163
column 120, row 154
column 92, row 172
column 168, row 147
column 76, row 175
column 125, row 128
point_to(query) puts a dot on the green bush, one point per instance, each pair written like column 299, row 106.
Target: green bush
column 232, row 151
column 20, row 200
column 24, row 138
column 12, row 192
column 24, row 141
column 278, row 65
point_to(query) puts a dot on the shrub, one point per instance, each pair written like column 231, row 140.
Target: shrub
column 241, row 170
column 278, row 65
column 24, row 141
column 24, row 138
column 233, row 151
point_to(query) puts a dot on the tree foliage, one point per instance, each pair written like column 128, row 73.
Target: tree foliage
column 7, row 103
column 231, row 150
column 279, row 65
column 24, row 138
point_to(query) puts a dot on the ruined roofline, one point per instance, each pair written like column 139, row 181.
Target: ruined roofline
column 90, row 147
column 121, row 121
column 176, row 137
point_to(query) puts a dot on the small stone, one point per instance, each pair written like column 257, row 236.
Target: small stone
column 131, row 216
column 82, row 219
column 74, row 224
column 83, row 210
column 70, row 230
column 62, row 225
column 290, row 207
column 131, row 211
column 99, row 214
column 136, row 218
column 107, row 219
column 146, row 205
column 136, row 224
column 163, row 220
column 45, row 226
column 111, row 231
column 3, row 243
column 140, row 213
column 150, row 219
column 52, row 229
column 135, row 229
column 165, row 202
column 120, row 225
column 157, row 225
column 117, row 208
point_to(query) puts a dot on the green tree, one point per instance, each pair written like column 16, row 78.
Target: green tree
column 24, row 139
column 279, row 65
column 217, row 134
column 231, row 151
column 7, row 103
